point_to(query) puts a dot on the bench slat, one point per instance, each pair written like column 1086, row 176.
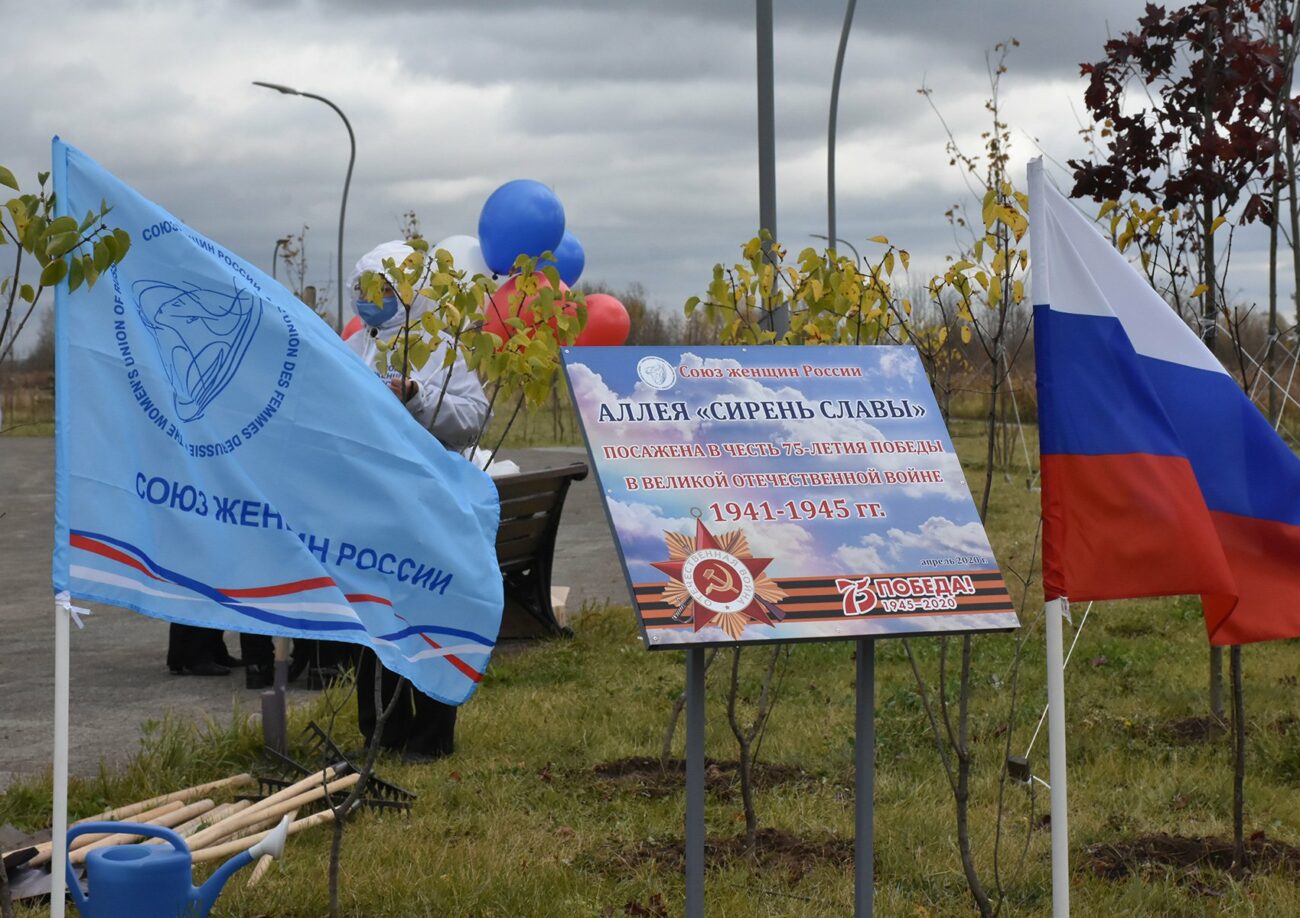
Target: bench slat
column 528, row 527
column 520, row 507
column 517, row 550
column 546, row 481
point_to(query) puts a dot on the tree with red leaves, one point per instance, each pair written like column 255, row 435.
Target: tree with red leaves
column 1216, row 77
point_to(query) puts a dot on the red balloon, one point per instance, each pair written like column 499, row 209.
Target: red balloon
column 607, row 322
column 353, row 326
column 499, row 308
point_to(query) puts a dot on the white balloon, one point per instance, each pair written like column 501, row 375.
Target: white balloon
column 466, row 254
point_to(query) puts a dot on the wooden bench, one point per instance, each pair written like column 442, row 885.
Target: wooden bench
column 531, row 503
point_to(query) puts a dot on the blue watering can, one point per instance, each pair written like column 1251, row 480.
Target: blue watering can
column 153, row 881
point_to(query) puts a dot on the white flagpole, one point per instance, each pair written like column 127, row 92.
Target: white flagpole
column 58, row 883
column 1055, row 611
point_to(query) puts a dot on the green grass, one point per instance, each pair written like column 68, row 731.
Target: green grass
column 518, row 823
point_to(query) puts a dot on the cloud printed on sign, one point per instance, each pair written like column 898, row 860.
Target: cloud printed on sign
column 864, row 557
column 590, row 389
column 937, row 536
column 942, row 534
column 903, row 364
column 641, row 529
column 736, row 389
column 642, row 521
column 896, row 363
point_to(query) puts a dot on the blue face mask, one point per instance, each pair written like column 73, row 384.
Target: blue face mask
column 375, row 316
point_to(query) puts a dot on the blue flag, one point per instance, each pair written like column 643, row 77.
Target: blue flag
column 224, row 460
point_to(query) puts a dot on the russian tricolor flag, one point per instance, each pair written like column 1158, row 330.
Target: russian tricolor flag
column 1160, row 477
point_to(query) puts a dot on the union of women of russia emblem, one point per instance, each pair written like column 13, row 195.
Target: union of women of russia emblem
column 716, row 580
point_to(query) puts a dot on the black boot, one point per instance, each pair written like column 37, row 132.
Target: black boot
column 259, row 676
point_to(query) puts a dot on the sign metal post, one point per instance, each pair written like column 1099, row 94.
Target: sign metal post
column 695, row 782
column 864, row 751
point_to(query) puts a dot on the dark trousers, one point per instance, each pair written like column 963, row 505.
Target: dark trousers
column 188, row 645
column 418, row 724
column 258, row 650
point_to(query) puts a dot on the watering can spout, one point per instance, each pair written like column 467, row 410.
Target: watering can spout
column 272, row 844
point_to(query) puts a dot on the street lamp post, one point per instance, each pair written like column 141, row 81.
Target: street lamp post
column 275, row 256
column 352, row 156
column 830, row 130
column 780, row 318
column 852, row 247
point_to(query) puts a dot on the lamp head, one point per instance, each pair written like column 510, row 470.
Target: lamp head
column 287, row 90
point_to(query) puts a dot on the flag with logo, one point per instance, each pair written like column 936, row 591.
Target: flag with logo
column 223, row 460
column 1160, row 477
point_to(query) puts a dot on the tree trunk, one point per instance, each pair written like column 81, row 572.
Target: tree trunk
column 991, row 436
column 1293, row 207
column 1239, row 765
column 1270, row 356
column 747, row 797
column 1209, row 334
column 343, row 812
column 1216, row 683
column 336, row 855
column 962, row 794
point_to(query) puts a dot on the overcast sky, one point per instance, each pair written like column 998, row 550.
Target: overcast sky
column 641, row 114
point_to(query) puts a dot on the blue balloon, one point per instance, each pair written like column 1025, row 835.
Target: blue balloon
column 570, row 259
column 522, row 217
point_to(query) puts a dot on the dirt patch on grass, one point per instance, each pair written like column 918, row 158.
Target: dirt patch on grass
column 1195, row 859
column 645, row 777
column 1191, row 730
column 775, row 851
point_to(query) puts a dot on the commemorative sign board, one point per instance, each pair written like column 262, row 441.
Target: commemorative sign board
column 762, row 494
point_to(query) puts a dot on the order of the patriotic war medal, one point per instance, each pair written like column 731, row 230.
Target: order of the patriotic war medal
column 716, row 580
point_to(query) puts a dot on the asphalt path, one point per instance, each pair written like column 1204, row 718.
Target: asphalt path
column 119, row 675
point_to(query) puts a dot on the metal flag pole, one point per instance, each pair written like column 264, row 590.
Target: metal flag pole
column 864, row 750
column 1055, row 611
column 59, row 834
column 695, row 782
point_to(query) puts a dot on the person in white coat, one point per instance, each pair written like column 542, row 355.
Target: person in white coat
column 457, row 421
column 420, row 728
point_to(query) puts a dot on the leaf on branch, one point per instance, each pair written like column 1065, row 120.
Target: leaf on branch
column 57, row 244
column 102, row 256
column 419, row 353
column 76, row 274
column 7, row 178
column 883, row 240
column 54, row 272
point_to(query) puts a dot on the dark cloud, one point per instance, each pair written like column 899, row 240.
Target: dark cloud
column 640, row 114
